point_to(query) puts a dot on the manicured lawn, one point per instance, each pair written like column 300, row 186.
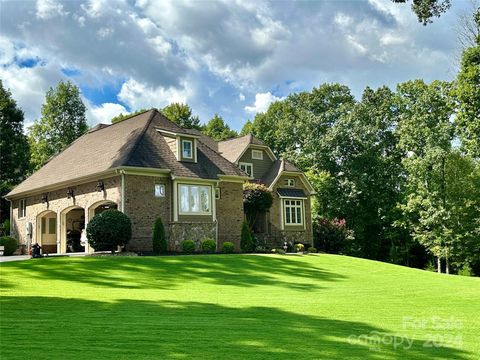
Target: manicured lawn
column 234, row 307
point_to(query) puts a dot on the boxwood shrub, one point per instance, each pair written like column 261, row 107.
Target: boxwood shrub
column 209, row 246
column 188, row 246
column 311, row 249
column 108, row 230
column 10, row 245
column 159, row 241
column 228, row 247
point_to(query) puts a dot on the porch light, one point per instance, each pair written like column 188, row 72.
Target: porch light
column 70, row 193
column 100, row 186
column 45, row 198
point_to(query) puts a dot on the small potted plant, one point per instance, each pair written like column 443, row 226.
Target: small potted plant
column 300, row 248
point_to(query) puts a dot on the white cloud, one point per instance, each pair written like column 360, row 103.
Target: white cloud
column 104, row 113
column 343, row 20
column 47, row 9
column 104, row 32
column 262, row 102
column 139, row 95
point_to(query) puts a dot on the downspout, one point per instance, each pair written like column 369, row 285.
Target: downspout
column 122, row 172
column 11, row 217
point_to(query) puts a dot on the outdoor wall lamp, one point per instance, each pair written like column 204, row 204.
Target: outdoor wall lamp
column 70, row 193
column 45, row 198
column 100, row 186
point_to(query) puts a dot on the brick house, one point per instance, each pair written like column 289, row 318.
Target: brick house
column 148, row 167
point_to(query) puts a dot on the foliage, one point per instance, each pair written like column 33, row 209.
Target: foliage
column 228, row 247
column 158, row 238
column 209, row 246
column 5, row 228
column 181, row 114
column 246, row 241
column 108, row 230
column 218, row 130
column 247, row 128
column 120, row 117
column 278, row 251
column 14, row 148
column 299, row 247
column 333, row 236
column 188, row 246
column 467, row 94
column 63, row 121
column 427, row 9
column 257, row 199
column 465, row 270
column 10, row 245
column 312, row 250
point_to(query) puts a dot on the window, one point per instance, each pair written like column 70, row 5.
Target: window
column 159, row 190
column 52, row 226
column 22, row 208
column 293, row 212
column 248, row 168
column 257, row 154
column 187, row 149
column 194, row 199
column 290, row 182
column 217, row 193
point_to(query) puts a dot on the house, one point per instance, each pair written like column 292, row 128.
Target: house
column 149, row 167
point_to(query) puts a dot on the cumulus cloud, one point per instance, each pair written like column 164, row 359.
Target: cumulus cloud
column 104, row 113
column 262, row 102
column 47, row 9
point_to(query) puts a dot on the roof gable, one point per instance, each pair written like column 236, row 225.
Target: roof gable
column 233, row 149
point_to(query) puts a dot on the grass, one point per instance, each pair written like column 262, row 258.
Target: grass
column 234, row 307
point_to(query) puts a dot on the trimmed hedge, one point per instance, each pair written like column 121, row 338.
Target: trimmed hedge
column 188, row 246
column 108, row 230
column 312, row 250
column 228, row 247
column 10, row 245
column 159, row 242
column 209, row 246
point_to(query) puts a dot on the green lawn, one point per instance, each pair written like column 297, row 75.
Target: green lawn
column 234, row 307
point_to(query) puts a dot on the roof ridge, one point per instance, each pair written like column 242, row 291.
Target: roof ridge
column 234, row 138
column 137, row 142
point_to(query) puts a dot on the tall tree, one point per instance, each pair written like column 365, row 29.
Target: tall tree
column 181, row 114
column 425, row 135
column 247, row 128
column 63, row 121
column 467, row 93
column 218, row 130
column 14, row 148
column 427, row 9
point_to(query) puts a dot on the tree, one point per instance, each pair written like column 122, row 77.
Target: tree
column 63, row 121
column 121, row 116
column 467, row 94
column 425, row 135
column 468, row 27
column 427, row 9
column 218, row 130
column 181, row 114
column 159, row 241
column 247, row 128
column 14, row 148
column 257, row 199
column 246, row 240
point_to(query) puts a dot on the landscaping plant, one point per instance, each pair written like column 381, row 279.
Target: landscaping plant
column 209, row 246
column 158, row 238
column 246, row 241
column 108, row 230
column 10, row 245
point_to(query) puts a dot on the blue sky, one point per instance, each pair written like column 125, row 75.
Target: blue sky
column 227, row 57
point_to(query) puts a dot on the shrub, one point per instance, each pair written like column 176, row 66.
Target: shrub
column 209, row 246
column 332, row 236
column 278, row 251
column 108, row 230
column 5, row 228
column 10, row 245
column 188, row 246
column 311, row 249
column 257, row 199
column 465, row 270
column 228, row 247
column 159, row 241
column 299, row 247
column 246, row 240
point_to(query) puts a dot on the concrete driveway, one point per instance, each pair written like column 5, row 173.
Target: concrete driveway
column 14, row 258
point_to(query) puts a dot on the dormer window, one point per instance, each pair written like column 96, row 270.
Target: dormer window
column 290, row 182
column 257, row 154
column 247, row 168
column 187, row 149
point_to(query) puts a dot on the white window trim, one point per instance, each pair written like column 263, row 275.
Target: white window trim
column 201, row 213
column 290, row 182
column 191, row 149
column 302, row 209
column 246, row 164
column 259, row 153
column 22, row 210
column 155, row 190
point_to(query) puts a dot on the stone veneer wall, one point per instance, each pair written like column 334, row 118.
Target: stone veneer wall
column 86, row 195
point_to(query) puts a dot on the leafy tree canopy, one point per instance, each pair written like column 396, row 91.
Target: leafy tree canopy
column 181, row 114
column 427, row 9
column 63, row 121
column 218, row 130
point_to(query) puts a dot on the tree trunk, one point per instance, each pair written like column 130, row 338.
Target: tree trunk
column 439, row 265
column 447, row 268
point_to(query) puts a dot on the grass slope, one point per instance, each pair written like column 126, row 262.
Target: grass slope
column 234, row 307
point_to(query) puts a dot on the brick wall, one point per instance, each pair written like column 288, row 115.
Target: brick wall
column 230, row 213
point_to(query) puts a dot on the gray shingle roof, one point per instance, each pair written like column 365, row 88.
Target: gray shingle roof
column 277, row 167
column 296, row 193
column 231, row 149
column 132, row 142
